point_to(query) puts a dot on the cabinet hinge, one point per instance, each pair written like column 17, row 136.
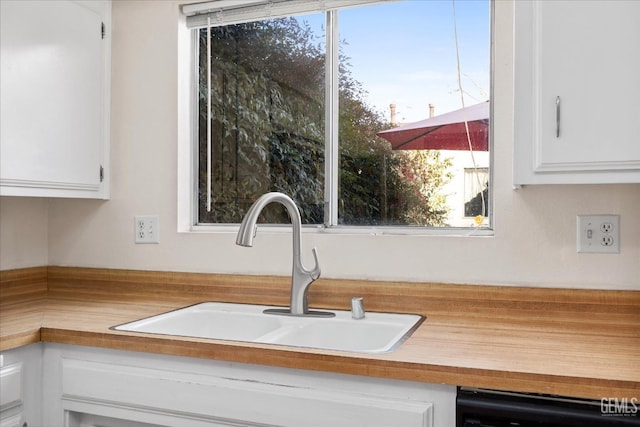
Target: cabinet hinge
column 102, row 30
column 101, row 173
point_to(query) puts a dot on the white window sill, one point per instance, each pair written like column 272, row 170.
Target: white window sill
column 350, row 230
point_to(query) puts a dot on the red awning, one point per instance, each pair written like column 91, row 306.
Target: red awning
column 444, row 132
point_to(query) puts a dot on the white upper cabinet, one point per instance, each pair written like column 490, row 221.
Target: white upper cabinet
column 577, row 92
column 55, row 98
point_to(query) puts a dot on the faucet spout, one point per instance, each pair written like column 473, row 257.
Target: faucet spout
column 301, row 277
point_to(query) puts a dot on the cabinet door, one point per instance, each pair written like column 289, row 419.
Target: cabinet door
column 20, row 386
column 53, row 76
column 11, row 395
column 11, row 421
column 576, row 108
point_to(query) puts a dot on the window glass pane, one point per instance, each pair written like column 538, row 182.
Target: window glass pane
column 267, row 125
column 398, row 66
column 476, row 191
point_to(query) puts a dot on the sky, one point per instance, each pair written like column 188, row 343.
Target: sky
column 405, row 53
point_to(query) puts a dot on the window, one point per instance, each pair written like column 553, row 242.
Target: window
column 340, row 109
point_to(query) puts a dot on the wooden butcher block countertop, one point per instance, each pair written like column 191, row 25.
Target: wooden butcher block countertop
column 582, row 343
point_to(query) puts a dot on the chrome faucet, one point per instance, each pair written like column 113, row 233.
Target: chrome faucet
column 301, row 278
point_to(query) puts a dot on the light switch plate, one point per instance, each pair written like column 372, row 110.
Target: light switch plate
column 598, row 234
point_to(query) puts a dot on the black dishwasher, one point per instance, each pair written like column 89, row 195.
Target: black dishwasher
column 488, row 408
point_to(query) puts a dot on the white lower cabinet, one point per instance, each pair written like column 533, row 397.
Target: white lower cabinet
column 11, row 413
column 107, row 388
column 20, row 387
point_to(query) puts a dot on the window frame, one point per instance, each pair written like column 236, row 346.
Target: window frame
column 188, row 144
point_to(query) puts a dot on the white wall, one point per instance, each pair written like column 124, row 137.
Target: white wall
column 534, row 242
column 23, row 232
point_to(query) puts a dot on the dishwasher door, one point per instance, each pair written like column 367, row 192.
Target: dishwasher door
column 488, row 408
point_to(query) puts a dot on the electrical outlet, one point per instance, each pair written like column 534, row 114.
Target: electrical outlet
column 147, row 229
column 606, row 227
column 598, row 233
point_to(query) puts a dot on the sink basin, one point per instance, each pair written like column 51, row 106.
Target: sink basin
column 376, row 333
column 209, row 320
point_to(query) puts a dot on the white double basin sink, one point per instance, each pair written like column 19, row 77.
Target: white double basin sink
column 375, row 333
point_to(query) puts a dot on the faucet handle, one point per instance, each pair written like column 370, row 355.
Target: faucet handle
column 315, row 271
